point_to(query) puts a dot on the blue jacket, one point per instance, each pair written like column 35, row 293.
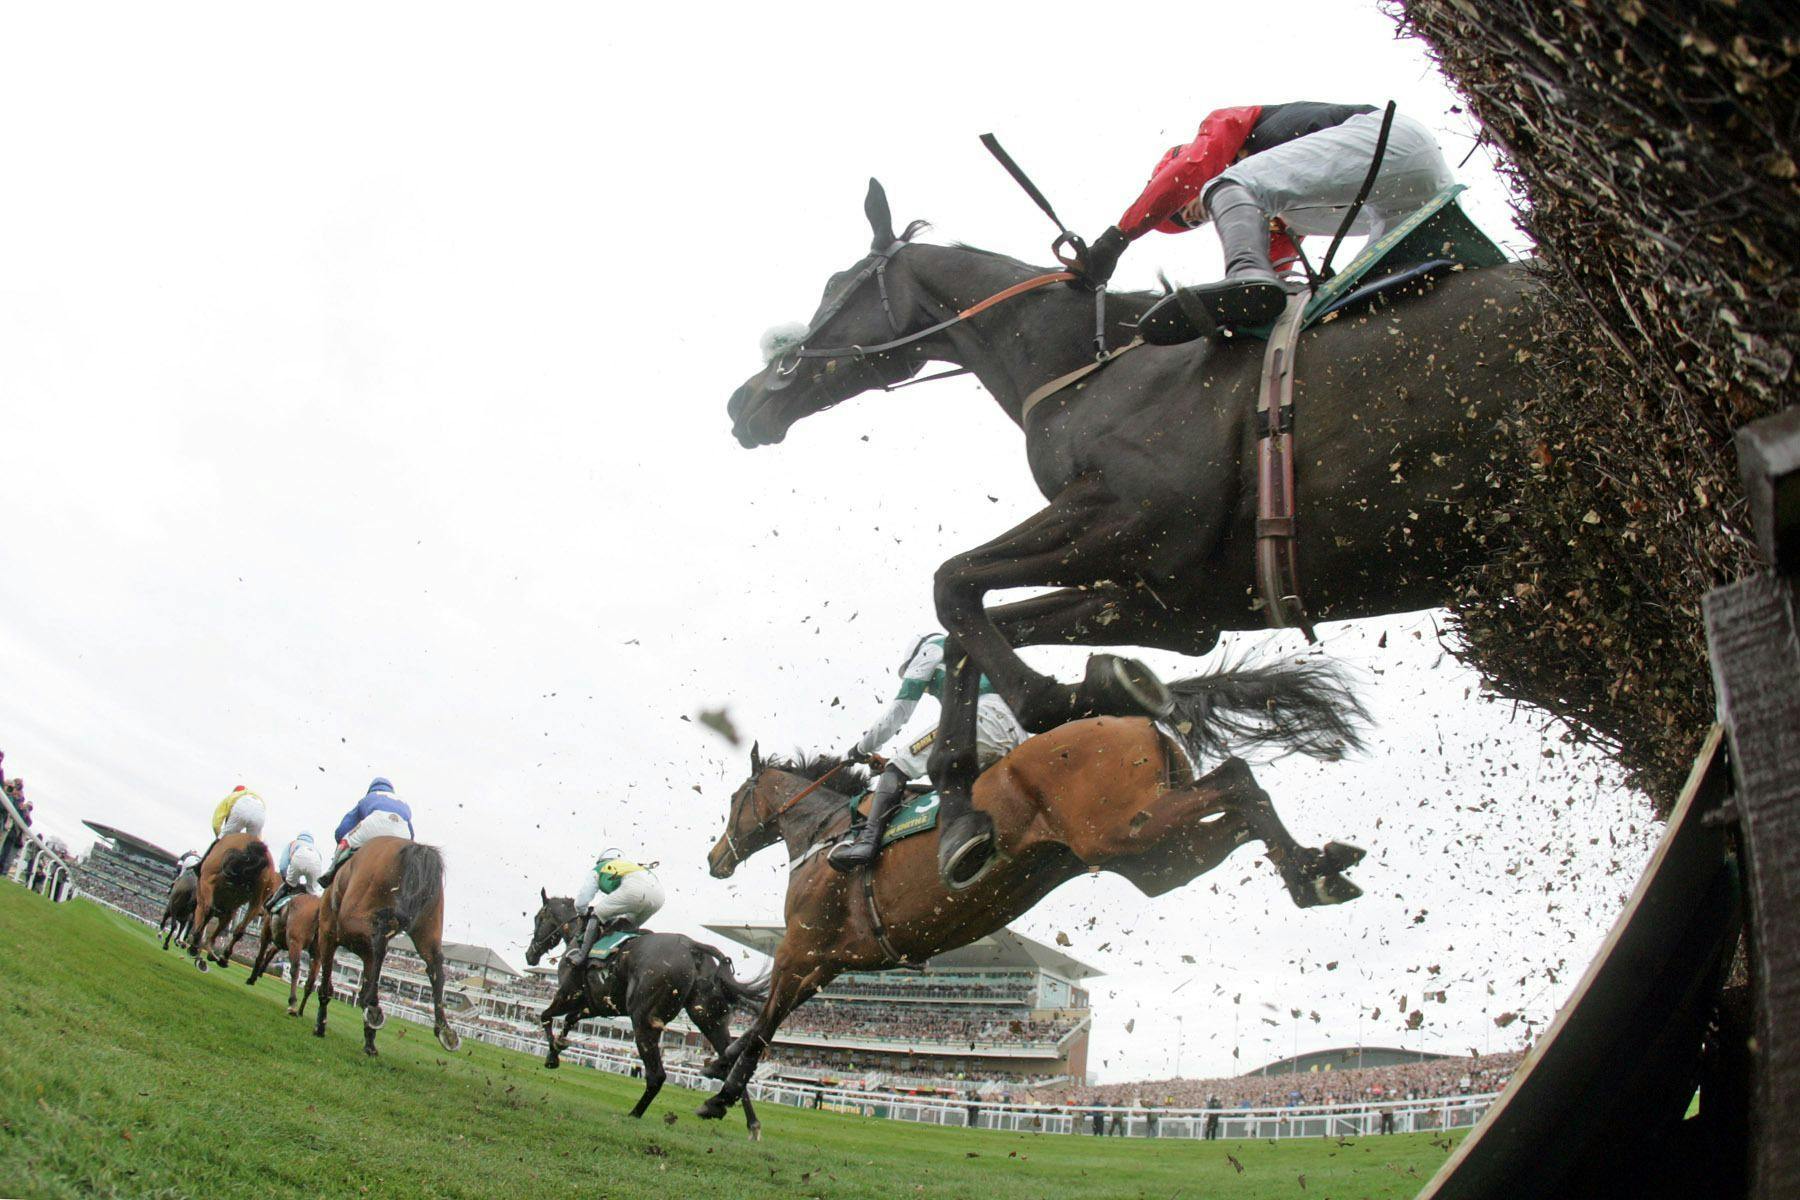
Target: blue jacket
column 380, row 798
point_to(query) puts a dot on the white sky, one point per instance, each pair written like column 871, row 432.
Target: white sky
column 362, row 385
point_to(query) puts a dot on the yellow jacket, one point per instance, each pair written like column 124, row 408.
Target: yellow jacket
column 225, row 805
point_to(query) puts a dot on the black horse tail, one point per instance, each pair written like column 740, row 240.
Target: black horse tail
column 243, row 868
column 421, row 882
column 1303, row 708
column 749, row 995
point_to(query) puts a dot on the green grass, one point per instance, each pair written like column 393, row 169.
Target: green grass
column 125, row 1072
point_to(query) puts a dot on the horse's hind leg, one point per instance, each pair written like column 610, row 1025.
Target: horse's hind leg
column 369, row 996
column 1312, row 876
column 649, row 1047
column 711, row 1018
column 324, row 952
column 433, row 954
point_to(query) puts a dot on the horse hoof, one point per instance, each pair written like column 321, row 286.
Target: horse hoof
column 373, row 1017
column 966, row 850
column 371, row 1051
column 1338, row 857
column 292, row 1011
column 756, row 1132
column 1327, row 889
column 1124, row 687
column 712, row 1110
column 200, row 966
column 317, row 1032
column 449, row 1039
column 551, row 1065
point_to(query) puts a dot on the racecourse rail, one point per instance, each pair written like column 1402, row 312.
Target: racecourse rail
column 1234, row 1124
column 41, row 868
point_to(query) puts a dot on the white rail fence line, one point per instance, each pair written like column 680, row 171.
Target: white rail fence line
column 1363, row 1119
column 38, row 866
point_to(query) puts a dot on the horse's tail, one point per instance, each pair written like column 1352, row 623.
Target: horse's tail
column 243, row 868
column 1305, row 708
column 749, row 995
column 421, row 882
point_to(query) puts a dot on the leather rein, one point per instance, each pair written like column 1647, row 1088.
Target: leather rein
column 788, row 361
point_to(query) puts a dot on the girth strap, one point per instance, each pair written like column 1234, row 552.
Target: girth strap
column 1277, row 542
column 875, row 923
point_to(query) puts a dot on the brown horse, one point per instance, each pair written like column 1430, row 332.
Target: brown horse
column 293, row 930
column 236, row 871
column 178, row 913
column 1107, row 793
column 389, row 886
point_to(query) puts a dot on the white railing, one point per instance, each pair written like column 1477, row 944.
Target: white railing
column 1362, row 1119
column 38, row 866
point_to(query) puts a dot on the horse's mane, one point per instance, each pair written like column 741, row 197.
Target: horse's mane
column 852, row 780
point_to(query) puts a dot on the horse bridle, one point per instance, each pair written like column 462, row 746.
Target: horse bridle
column 788, row 361
column 787, row 805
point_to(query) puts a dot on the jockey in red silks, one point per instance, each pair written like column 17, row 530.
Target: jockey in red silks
column 1264, row 172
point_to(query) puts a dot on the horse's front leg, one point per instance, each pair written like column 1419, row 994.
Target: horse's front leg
column 788, row 990
column 1313, row 876
column 1085, row 538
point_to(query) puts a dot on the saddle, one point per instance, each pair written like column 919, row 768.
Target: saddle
column 918, row 813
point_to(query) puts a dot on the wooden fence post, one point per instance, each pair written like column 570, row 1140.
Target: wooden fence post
column 1755, row 649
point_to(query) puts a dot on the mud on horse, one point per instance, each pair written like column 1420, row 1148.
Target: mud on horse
column 1115, row 794
column 1150, row 471
column 652, row 979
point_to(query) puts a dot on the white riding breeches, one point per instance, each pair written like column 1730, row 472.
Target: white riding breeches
column 997, row 734
column 304, row 868
column 638, row 896
column 378, row 824
column 246, row 816
column 1311, row 181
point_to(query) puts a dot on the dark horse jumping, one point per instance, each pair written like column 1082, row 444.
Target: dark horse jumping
column 389, row 886
column 1150, row 469
column 1113, row 794
column 650, row 979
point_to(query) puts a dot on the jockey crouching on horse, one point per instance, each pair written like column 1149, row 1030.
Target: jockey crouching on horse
column 188, row 862
column 616, row 894
column 379, row 813
column 997, row 732
column 1261, row 174
column 300, row 867
column 243, row 811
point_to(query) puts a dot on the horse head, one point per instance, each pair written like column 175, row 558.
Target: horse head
column 749, row 825
column 550, row 926
column 870, row 303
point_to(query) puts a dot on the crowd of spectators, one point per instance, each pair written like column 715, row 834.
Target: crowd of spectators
column 1018, row 993
column 934, row 1026
column 13, row 833
column 1424, row 1080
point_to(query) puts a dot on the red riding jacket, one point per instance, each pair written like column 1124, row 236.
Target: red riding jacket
column 1224, row 136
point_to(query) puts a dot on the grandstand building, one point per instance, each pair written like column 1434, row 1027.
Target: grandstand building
column 1006, row 1008
column 126, row 870
column 1349, row 1058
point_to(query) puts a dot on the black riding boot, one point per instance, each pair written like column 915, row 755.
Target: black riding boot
column 1250, row 294
column 281, row 893
column 886, row 798
column 342, row 857
column 584, row 942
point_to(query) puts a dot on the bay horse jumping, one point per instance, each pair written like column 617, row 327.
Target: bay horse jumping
column 293, row 930
column 1105, row 793
column 652, row 979
column 178, row 912
column 1149, row 467
column 236, row 872
column 389, row 886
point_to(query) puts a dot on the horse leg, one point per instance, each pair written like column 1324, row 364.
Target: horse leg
column 1312, row 876
column 1075, row 542
column 324, row 953
column 433, row 953
column 266, row 948
column 312, row 979
column 790, row 987
column 714, row 1024
column 547, row 1018
column 369, row 995
column 649, row 1029
column 202, row 914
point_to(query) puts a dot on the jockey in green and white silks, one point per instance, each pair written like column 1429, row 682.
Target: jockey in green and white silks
column 997, row 732
column 615, row 893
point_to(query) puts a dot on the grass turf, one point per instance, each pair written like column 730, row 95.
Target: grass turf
column 125, row 1072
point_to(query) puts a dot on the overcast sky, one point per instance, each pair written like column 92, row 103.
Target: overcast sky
column 362, row 387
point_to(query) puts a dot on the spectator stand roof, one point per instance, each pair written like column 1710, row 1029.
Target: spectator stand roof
column 132, row 841
column 1002, row 950
column 1345, row 1058
column 468, row 959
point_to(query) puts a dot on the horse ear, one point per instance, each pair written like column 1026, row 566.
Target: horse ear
column 881, row 221
column 755, row 757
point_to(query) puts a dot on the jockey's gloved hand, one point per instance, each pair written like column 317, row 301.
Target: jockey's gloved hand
column 1102, row 257
column 855, row 755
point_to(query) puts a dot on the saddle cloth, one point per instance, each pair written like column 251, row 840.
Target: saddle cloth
column 1437, row 237
column 604, row 948
column 918, row 814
